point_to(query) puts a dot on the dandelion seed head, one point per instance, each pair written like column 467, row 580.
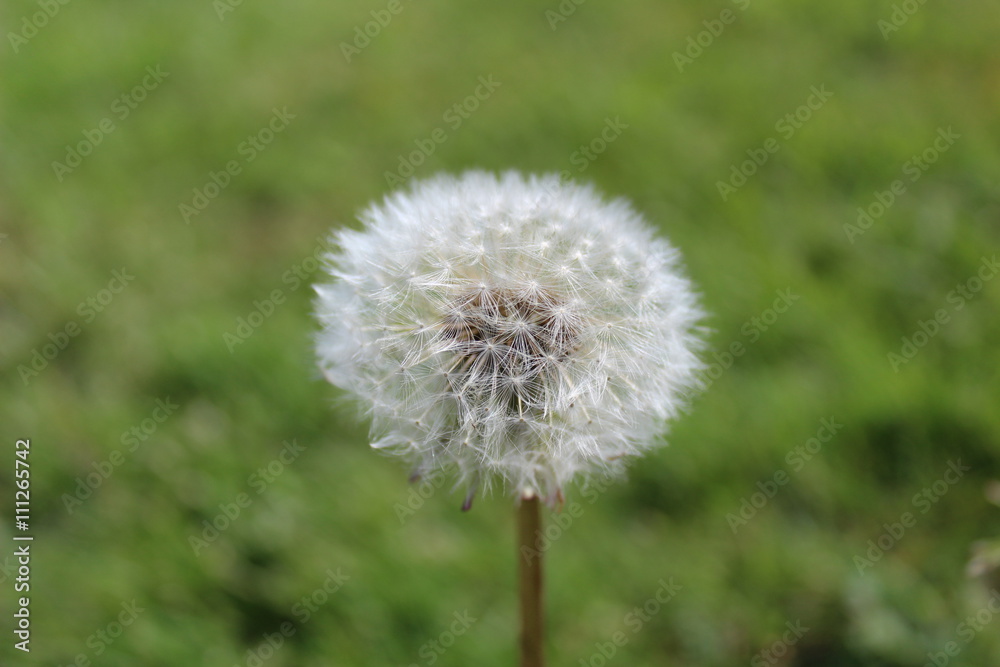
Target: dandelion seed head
column 512, row 329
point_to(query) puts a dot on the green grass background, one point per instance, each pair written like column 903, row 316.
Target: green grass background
column 336, row 505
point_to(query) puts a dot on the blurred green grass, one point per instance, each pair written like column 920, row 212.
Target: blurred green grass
column 336, row 505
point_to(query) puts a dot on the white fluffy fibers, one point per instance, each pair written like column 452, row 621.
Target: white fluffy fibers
column 516, row 329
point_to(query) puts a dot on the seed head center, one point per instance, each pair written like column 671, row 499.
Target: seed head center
column 506, row 344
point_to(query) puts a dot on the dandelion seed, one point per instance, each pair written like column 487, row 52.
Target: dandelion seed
column 515, row 330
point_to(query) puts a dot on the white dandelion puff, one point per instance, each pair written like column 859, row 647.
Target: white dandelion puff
column 511, row 329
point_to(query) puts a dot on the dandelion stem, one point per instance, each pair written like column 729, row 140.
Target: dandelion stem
column 530, row 571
